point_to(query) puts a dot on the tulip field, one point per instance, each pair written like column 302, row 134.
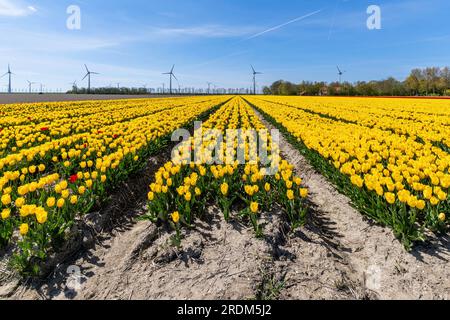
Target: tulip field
column 390, row 156
column 59, row 160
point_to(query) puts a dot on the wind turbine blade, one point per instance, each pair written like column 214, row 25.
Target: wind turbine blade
column 95, row 73
column 339, row 70
column 174, row 77
column 253, row 69
column 86, row 68
column 173, row 67
column 166, row 73
column 85, row 76
column 4, row 75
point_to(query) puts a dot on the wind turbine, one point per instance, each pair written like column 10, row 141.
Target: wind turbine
column 171, row 74
column 9, row 73
column 74, row 85
column 340, row 73
column 29, row 85
column 209, row 87
column 254, row 79
column 88, row 75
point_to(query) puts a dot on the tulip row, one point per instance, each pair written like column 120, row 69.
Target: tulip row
column 204, row 170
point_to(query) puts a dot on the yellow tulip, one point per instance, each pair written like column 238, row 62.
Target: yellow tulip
column 73, row 199
column 6, row 199
column 41, row 216
column 175, row 216
column 224, row 188
column 304, row 192
column 60, row 203
column 19, row 202
column 254, row 207
column 6, row 213
column 81, row 190
column 51, row 202
column 290, row 195
column 23, row 229
column 390, row 197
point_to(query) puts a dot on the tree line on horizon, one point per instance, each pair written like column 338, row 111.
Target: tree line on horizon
column 432, row 81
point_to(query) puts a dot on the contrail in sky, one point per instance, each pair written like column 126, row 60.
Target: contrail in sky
column 283, row 25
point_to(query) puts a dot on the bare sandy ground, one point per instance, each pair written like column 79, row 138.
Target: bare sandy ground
column 52, row 97
column 338, row 255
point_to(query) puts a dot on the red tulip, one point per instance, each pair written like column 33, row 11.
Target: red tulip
column 73, row 178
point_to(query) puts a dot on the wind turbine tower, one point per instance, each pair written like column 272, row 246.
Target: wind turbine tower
column 9, row 73
column 29, row 85
column 254, row 79
column 209, row 87
column 171, row 74
column 88, row 75
column 74, row 86
column 340, row 73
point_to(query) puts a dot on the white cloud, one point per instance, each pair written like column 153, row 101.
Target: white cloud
column 39, row 41
column 14, row 8
column 207, row 31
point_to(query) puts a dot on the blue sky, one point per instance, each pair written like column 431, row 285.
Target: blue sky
column 134, row 41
